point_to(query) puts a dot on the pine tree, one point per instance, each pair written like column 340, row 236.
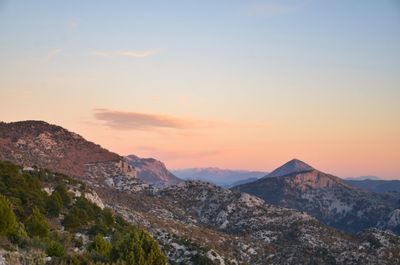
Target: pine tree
column 54, row 204
column 36, row 224
column 101, row 246
column 8, row 221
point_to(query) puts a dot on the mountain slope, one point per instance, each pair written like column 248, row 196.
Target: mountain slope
column 152, row 171
column 37, row 143
column 326, row 197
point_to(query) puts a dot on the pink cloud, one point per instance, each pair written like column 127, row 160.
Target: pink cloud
column 144, row 121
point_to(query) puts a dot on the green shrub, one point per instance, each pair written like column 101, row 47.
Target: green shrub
column 8, row 221
column 19, row 236
column 101, row 247
column 55, row 249
column 138, row 247
column 61, row 190
column 76, row 219
column 36, row 224
column 54, row 204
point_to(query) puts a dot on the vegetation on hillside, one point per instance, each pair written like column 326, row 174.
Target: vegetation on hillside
column 41, row 217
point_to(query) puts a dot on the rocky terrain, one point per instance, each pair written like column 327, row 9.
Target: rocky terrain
column 152, row 171
column 328, row 198
column 37, row 143
column 197, row 218
column 197, row 222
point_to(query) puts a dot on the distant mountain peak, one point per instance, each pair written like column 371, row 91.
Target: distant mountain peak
column 152, row 171
column 293, row 166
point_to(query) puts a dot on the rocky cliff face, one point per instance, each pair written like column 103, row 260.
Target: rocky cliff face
column 326, row 197
column 152, row 171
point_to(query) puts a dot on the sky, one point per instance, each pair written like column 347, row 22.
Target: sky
column 232, row 84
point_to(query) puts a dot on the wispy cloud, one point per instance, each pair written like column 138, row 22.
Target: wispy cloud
column 126, row 53
column 144, row 121
column 53, row 53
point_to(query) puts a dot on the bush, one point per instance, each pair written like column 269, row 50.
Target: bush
column 55, row 249
column 101, row 247
column 36, row 224
column 138, row 247
column 75, row 220
column 8, row 221
column 61, row 190
column 54, row 204
column 19, row 236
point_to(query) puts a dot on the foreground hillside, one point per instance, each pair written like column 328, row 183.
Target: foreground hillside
column 330, row 199
column 50, row 218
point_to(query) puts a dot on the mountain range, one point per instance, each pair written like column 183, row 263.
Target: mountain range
column 218, row 176
column 295, row 215
column 379, row 186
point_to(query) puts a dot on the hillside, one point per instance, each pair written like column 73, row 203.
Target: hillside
column 53, row 219
column 326, row 197
column 37, row 143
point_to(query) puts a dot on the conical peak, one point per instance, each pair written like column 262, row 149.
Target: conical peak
column 293, row 166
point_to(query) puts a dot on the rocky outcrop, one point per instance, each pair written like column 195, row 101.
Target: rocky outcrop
column 152, row 171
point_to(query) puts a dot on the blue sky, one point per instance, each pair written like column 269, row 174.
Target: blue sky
column 311, row 76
